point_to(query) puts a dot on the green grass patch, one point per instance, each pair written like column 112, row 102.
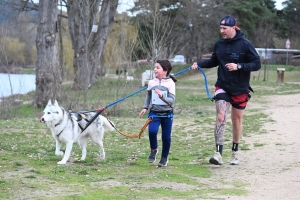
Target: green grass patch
column 258, row 144
column 28, row 71
column 28, row 164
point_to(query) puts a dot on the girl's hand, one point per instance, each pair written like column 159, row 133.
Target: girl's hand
column 143, row 112
column 158, row 92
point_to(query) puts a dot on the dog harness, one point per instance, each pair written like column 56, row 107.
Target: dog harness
column 80, row 116
column 60, row 123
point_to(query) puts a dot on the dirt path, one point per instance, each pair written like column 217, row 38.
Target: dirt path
column 278, row 161
column 271, row 171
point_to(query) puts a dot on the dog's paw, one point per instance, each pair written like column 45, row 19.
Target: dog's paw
column 60, row 153
column 61, row 162
column 82, row 158
column 102, row 157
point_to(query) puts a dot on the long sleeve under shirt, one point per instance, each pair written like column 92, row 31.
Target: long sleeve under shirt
column 166, row 84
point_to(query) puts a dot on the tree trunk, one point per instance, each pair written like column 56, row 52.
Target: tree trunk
column 48, row 73
column 88, row 43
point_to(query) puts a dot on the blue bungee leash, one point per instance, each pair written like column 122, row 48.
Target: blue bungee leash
column 205, row 83
column 99, row 111
column 142, row 89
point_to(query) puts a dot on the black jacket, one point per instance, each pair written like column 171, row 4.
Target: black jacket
column 235, row 50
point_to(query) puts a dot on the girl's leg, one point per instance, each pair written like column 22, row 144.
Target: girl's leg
column 166, row 126
column 153, row 130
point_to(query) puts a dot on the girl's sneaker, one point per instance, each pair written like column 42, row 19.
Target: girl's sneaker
column 152, row 156
column 163, row 162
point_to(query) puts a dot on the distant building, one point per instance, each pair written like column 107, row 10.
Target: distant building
column 279, row 56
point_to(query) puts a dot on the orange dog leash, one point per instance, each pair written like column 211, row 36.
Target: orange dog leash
column 130, row 135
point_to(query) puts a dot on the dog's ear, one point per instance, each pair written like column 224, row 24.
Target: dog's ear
column 49, row 102
column 55, row 103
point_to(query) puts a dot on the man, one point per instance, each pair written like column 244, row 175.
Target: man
column 235, row 57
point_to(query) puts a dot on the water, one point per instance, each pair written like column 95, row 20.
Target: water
column 20, row 84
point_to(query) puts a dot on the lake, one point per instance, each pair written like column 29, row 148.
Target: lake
column 20, row 84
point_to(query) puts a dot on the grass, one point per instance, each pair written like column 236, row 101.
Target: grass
column 28, row 164
column 28, row 71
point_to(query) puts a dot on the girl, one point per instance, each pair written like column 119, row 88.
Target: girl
column 159, row 100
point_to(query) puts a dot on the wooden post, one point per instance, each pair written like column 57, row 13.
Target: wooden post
column 280, row 75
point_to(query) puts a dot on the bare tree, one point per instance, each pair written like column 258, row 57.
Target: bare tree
column 265, row 33
column 48, row 73
column 155, row 31
column 204, row 17
column 89, row 24
column 118, row 53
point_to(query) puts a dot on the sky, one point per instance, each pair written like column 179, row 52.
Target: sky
column 127, row 4
column 278, row 4
column 124, row 5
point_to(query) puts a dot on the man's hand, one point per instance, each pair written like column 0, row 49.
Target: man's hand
column 194, row 66
column 232, row 66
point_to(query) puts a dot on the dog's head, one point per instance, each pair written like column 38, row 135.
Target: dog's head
column 52, row 113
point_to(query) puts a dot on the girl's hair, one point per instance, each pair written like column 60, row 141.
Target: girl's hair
column 166, row 65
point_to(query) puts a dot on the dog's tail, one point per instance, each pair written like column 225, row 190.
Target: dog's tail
column 107, row 124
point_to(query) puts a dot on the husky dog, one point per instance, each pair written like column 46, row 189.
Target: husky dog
column 67, row 127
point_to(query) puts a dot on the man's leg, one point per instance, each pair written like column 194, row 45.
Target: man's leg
column 237, row 128
column 222, row 108
column 237, row 124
